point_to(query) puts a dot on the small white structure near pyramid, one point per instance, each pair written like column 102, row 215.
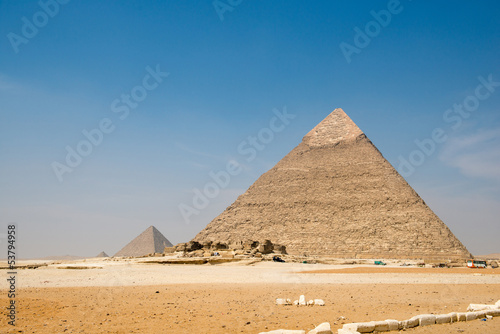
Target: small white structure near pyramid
column 149, row 241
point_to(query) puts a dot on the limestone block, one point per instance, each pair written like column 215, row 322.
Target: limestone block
column 323, row 328
column 302, row 300
column 443, row 319
column 462, row 316
column 381, row 326
column 296, row 302
column 285, row 331
column 346, row 331
column 426, row 319
column 481, row 314
column 361, row 327
column 310, row 303
column 493, row 313
column 393, row 324
column 453, row 316
column 319, row 302
column 497, row 304
column 470, row 316
column 282, row 301
column 479, row 307
column 410, row 323
column 226, row 254
column 169, row 250
column 197, row 253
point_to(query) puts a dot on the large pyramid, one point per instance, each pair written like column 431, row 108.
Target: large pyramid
column 336, row 195
column 149, row 241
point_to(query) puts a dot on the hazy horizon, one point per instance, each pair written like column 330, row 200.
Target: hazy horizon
column 114, row 116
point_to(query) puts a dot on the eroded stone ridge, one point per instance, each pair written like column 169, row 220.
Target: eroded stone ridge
column 336, row 195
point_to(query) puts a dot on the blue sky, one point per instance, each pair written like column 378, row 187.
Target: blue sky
column 229, row 66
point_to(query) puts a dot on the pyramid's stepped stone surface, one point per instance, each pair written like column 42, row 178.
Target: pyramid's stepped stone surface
column 335, row 194
column 149, row 241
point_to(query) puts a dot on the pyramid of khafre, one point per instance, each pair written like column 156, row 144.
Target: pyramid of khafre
column 149, row 241
column 336, row 195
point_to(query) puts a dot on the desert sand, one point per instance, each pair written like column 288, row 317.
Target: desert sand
column 131, row 297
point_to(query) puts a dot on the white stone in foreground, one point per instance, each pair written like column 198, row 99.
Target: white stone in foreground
column 381, row 326
column 497, row 304
column 281, row 301
column 302, row 300
column 426, row 319
column 481, row 314
column 453, row 316
column 410, row 323
column 479, row 307
column 443, row 319
column 319, row 302
column 285, row 331
column 296, row 302
column 393, row 324
column 470, row 316
column 323, row 328
column 360, row 327
column 462, row 316
column 310, row 303
column 346, row 331
column 494, row 313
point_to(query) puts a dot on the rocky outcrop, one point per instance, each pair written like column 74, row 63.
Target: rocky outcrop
column 247, row 248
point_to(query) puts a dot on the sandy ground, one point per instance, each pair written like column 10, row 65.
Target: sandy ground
column 127, row 297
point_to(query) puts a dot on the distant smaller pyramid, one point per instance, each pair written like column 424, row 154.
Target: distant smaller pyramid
column 149, row 241
column 102, row 254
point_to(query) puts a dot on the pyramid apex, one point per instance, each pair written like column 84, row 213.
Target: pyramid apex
column 335, row 128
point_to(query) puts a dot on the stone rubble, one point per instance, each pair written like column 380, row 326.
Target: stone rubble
column 300, row 302
column 486, row 312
